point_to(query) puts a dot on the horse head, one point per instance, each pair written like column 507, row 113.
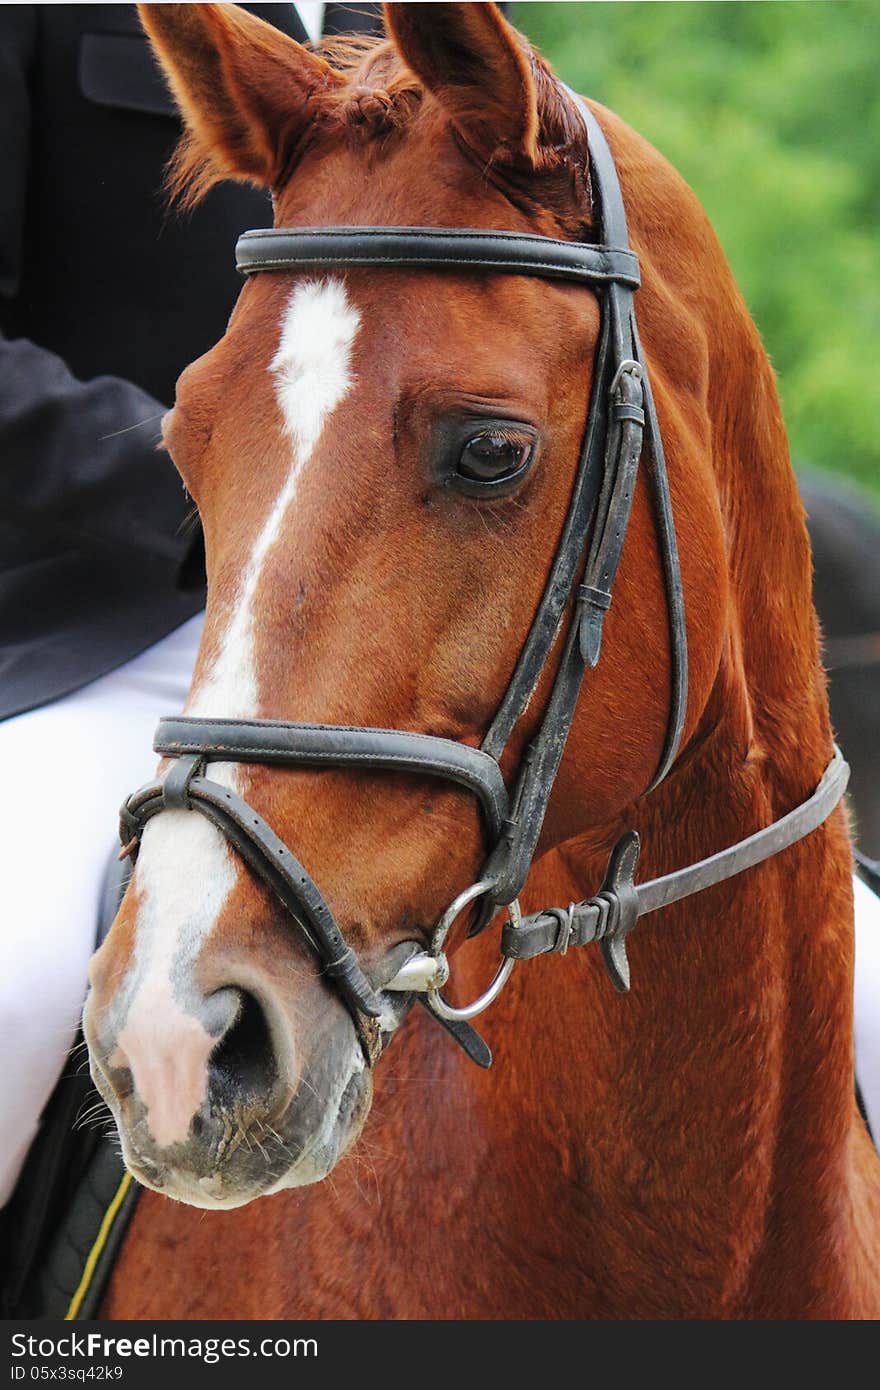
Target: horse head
column 383, row 462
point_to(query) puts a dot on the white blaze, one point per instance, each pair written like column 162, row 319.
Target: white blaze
column 185, row 869
column 312, row 372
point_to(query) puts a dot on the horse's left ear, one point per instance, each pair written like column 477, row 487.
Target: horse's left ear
column 474, row 63
column 247, row 93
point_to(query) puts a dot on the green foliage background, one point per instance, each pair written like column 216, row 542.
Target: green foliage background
column 771, row 111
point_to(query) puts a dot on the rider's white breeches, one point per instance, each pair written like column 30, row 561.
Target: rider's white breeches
column 66, row 768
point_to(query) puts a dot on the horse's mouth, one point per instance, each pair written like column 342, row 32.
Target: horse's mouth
column 230, row 1157
column 228, row 1162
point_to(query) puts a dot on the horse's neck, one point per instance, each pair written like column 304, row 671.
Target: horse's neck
column 716, row 1099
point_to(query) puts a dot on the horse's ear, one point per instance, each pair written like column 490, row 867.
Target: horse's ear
column 471, row 59
column 247, row 92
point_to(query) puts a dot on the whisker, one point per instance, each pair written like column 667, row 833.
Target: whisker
column 151, row 420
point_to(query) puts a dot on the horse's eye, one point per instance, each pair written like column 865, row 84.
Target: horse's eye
column 496, row 456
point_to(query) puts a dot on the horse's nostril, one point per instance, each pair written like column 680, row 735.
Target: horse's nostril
column 244, row 1060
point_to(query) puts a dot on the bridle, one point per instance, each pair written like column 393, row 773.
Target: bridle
column 621, row 420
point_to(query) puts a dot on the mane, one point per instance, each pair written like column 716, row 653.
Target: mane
column 382, row 94
column 381, row 99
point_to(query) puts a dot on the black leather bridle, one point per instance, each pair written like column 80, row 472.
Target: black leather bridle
column 621, row 427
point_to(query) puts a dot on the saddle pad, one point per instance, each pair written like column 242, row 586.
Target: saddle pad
column 64, row 1224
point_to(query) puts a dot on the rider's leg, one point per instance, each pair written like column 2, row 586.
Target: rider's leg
column 867, row 1002
column 66, row 768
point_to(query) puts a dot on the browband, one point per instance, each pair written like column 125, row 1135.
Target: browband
column 430, row 248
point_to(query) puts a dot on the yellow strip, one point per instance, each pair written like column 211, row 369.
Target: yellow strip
column 95, row 1252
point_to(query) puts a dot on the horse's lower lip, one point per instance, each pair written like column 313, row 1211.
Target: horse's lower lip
column 146, row 1170
column 209, row 1193
column 212, row 1187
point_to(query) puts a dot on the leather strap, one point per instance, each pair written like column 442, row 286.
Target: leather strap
column 626, row 425
column 267, row 857
column 665, row 523
column 611, row 914
column 535, row 650
column 621, row 409
column 433, row 248
column 467, row 1037
column 274, row 742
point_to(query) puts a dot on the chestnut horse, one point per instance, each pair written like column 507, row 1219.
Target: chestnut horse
column 689, row 1150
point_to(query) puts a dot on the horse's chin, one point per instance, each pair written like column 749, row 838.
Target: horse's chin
column 322, row 1121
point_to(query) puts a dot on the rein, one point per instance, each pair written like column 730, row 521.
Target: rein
column 622, row 428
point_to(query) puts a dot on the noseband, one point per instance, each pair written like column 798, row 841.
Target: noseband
column 621, row 426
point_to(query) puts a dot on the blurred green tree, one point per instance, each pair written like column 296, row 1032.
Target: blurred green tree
column 771, row 111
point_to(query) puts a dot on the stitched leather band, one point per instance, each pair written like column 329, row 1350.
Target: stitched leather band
column 655, row 459
column 433, row 248
column 621, row 413
column 781, row 835
column 594, row 919
column 267, row 856
column 335, row 745
column 626, row 426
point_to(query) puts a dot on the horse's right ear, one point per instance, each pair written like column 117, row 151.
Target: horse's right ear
column 247, row 93
column 478, row 68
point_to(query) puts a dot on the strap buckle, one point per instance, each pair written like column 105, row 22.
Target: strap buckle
column 566, row 930
column 628, row 367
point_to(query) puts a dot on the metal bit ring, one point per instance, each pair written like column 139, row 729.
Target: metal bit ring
column 435, row 1000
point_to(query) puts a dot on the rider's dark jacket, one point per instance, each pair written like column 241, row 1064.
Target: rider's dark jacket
column 104, row 297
